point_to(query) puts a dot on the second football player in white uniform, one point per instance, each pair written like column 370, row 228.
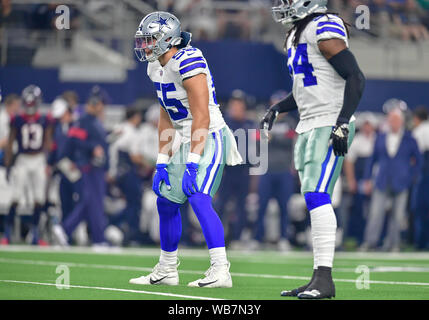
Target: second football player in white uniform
column 327, row 86
column 188, row 105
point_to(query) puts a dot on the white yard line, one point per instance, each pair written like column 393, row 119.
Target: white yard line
column 234, row 274
column 249, row 255
column 114, row 289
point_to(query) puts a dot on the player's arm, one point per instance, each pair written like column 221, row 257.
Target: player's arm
column 345, row 64
column 198, row 97
column 288, row 104
column 166, row 135
column 8, row 156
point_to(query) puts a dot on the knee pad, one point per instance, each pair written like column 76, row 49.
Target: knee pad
column 316, row 199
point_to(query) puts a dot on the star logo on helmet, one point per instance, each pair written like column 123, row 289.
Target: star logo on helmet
column 162, row 22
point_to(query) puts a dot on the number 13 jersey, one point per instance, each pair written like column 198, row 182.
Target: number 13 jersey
column 317, row 88
column 172, row 96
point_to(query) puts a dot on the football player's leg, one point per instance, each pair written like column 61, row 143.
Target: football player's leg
column 209, row 177
column 18, row 176
column 37, row 181
column 299, row 160
column 170, row 229
column 96, row 217
column 320, row 162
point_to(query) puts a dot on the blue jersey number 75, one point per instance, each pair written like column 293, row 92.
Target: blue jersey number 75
column 305, row 67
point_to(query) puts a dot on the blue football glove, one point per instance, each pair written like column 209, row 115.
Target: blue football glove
column 161, row 175
column 189, row 181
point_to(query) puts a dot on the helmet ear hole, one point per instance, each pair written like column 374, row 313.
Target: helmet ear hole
column 306, row 3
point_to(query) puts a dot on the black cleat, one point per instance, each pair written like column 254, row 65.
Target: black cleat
column 322, row 287
column 295, row 292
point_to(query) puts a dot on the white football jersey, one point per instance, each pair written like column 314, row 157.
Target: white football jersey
column 172, row 96
column 317, row 88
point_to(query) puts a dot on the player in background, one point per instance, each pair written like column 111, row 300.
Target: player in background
column 62, row 112
column 124, row 172
column 327, row 87
column 33, row 133
column 12, row 103
column 188, row 104
column 86, row 150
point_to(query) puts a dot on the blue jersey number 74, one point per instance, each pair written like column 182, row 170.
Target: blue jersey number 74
column 305, row 67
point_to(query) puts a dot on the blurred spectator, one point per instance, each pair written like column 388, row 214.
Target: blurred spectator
column 233, row 22
column 12, row 103
column 86, row 147
column 72, row 99
column 236, row 179
column 395, row 152
column 199, row 20
column 355, row 161
column 5, row 11
column 278, row 182
column 125, row 174
column 421, row 199
column 406, row 20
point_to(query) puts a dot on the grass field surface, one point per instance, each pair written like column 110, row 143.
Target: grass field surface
column 39, row 273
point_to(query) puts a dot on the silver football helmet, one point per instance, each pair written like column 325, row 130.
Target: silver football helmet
column 157, row 32
column 288, row 11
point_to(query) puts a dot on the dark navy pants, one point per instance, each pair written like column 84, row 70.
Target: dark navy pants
column 421, row 214
column 235, row 184
column 131, row 187
column 280, row 187
column 90, row 206
column 67, row 191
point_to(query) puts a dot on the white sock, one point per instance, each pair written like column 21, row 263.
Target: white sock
column 168, row 258
column 324, row 226
column 218, row 256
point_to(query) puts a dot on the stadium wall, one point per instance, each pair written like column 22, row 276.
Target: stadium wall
column 258, row 69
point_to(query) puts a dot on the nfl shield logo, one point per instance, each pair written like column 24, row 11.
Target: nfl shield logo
column 161, row 72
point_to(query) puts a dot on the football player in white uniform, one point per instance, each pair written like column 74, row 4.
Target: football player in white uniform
column 188, row 105
column 327, row 87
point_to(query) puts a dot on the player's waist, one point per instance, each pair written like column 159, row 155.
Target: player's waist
column 31, row 153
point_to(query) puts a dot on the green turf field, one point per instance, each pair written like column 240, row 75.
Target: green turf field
column 30, row 273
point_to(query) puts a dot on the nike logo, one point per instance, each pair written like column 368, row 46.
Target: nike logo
column 201, row 284
column 156, row 281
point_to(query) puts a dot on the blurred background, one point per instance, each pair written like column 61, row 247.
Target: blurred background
column 244, row 48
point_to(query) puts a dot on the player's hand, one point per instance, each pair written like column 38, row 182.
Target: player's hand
column 340, row 136
column 268, row 119
column 189, row 181
column 161, row 175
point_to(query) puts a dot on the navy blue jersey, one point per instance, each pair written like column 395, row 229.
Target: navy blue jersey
column 87, row 133
column 30, row 131
column 59, row 139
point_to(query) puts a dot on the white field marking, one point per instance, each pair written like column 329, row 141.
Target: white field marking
column 235, row 274
column 249, row 255
column 115, row 289
column 387, row 269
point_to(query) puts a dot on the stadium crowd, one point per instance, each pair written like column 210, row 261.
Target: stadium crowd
column 99, row 181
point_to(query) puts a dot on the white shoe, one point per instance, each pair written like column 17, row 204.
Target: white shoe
column 60, row 235
column 284, row 245
column 217, row 276
column 161, row 274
